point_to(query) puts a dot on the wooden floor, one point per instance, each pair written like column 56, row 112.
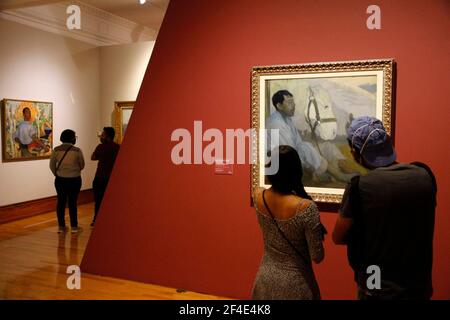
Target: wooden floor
column 34, row 260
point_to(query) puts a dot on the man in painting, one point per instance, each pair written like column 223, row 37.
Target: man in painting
column 387, row 218
column 313, row 164
column 105, row 153
column 26, row 134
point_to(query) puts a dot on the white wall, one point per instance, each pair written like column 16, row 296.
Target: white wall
column 36, row 65
column 81, row 80
column 122, row 69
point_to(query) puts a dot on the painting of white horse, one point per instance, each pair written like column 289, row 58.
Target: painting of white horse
column 322, row 106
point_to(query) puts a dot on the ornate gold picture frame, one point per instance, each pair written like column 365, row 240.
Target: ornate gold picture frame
column 122, row 114
column 327, row 97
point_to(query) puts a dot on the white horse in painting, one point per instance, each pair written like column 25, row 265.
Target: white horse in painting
column 323, row 125
column 319, row 114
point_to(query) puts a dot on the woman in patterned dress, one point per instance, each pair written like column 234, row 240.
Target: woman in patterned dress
column 292, row 234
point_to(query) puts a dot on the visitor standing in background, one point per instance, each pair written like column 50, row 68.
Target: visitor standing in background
column 66, row 163
column 105, row 153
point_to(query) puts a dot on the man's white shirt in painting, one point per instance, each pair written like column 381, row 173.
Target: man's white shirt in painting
column 289, row 135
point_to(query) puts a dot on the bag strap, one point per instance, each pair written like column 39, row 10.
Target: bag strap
column 308, row 262
column 60, row 161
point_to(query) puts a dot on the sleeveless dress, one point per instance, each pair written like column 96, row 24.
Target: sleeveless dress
column 283, row 274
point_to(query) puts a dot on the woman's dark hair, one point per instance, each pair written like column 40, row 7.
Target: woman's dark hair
column 288, row 178
column 67, row 136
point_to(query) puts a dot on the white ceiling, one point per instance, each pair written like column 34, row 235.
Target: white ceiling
column 149, row 14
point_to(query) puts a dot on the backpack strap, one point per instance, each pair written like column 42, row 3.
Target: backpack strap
column 355, row 246
column 431, row 174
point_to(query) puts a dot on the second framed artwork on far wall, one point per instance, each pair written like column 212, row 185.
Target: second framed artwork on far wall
column 324, row 99
column 122, row 115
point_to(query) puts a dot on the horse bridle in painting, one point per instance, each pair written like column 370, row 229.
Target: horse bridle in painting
column 319, row 120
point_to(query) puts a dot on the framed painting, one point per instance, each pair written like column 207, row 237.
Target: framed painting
column 27, row 130
column 323, row 99
column 123, row 111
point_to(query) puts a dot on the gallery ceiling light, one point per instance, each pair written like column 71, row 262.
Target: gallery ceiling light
column 142, row 1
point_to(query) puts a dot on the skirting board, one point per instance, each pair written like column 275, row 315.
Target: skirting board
column 35, row 207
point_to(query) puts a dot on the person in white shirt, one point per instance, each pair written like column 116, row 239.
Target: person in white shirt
column 284, row 104
column 26, row 133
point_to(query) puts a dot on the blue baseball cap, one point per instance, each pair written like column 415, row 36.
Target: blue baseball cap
column 369, row 136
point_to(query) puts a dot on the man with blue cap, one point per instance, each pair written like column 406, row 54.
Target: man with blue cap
column 386, row 218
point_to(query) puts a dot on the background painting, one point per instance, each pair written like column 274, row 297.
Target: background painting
column 123, row 111
column 126, row 115
column 27, row 130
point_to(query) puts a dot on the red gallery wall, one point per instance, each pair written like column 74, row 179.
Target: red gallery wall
column 184, row 227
